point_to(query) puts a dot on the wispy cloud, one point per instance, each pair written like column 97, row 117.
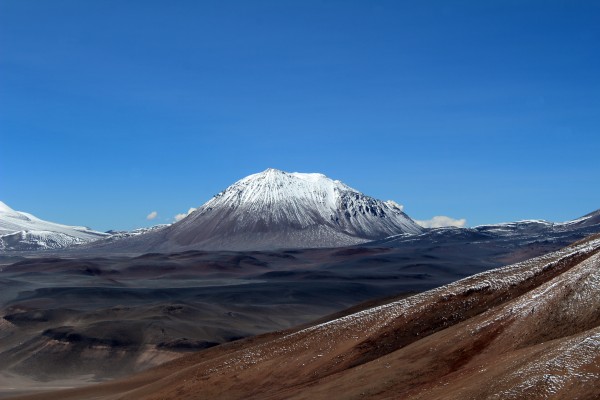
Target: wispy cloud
column 441, row 221
column 152, row 215
column 181, row 216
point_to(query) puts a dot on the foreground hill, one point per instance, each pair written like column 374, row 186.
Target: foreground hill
column 20, row 231
column 529, row 330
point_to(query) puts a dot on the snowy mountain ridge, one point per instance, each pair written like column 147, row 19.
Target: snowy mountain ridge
column 118, row 235
column 20, row 231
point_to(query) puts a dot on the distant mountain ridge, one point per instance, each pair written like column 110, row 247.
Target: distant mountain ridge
column 274, row 209
column 20, row 231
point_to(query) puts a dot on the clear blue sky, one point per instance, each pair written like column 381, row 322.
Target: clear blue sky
column 484, row 110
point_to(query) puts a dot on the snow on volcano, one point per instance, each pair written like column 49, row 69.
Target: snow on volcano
column 280, row 209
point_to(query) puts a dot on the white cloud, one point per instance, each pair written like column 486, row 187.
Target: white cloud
column 152, row 215
column 181, row 216
column 441, row 221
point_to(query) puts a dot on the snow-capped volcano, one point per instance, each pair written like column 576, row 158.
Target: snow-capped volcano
column 280, row 209
column 20, row 231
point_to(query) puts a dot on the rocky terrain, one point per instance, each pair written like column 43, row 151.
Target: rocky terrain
column 88, row 314
column 528, row 330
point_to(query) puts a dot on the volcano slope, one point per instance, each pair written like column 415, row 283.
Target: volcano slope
column 530, row 330
column 271, row 210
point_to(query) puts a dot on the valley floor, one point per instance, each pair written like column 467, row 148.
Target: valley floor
column 527, row 331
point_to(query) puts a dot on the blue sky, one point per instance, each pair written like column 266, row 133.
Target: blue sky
column 484, row 110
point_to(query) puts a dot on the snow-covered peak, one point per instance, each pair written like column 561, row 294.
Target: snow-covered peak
column 283, row 209
column 7, row 214
column 322, row 181
column 275, row 186
column 23, row 231
column 4, row 209
column 273, row 175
